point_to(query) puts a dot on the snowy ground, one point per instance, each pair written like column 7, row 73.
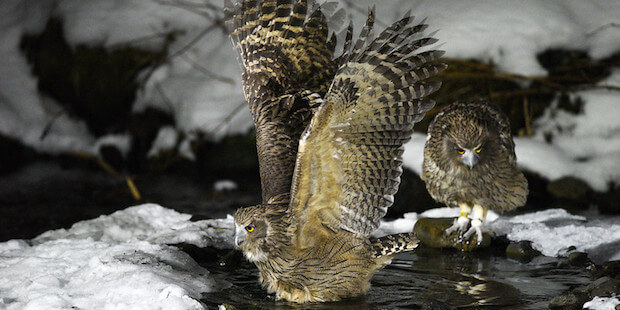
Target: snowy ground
column 123, row 260
column 120, row 261
column 504, row 32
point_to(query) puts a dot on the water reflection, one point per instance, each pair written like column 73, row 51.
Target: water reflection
column 428, row 279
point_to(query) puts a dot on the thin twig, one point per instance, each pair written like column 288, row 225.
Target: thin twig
column 227, row 119
column 48, row 126
column 209, row 10
column 165, row 98
column 193, row 42
column 608, row 25
column 527, row 117
column 142, row 39
column 208, row 72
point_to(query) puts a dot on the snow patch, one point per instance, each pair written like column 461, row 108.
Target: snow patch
column 117, row 261
column 84, row 274
column 148, row 222
column 122, row 143
column 602, row 303
column 166, row 140
column 224, row 185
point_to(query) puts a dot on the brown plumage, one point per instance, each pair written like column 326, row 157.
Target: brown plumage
column 470, row 163
column 330, row 132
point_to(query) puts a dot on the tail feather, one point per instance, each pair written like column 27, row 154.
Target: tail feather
column 394, row 244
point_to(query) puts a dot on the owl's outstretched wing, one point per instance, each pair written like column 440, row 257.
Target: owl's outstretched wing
column 349, row 162
column 286, row 59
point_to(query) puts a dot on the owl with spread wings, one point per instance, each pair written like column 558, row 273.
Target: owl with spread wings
column 329, row 134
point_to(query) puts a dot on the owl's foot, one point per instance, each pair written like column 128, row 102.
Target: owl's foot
column 476, row 226
column 460, row 224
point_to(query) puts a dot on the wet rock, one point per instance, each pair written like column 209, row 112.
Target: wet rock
column 538, row 197
column 570, row 192
column 200, row 255
column 14, row 154
column 578, row 258
column 608, row 201
column 433, row 304
column 430, row 231
column 604, row 287
column 592, row 268
column 611, row 268
column 570, row 301
column 521, row 251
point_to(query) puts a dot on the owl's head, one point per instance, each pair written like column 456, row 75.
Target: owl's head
column 251, row 230
column 259, row 229
column 469, row 143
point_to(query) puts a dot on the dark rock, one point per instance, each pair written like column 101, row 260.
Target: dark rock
column 609, row 201
column 430, row 231
column 604, row 287
column 569, row 301
column 433, row 304
column 521, row 251
column 592, row 268
column 200, row 255
column 611, row 268
column 538, row 197
column 570, row 192
column 144, row 127
column 14, row 154
column 578, row 258
column 576, row 64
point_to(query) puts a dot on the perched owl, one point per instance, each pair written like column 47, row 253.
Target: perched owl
column 470, row 162
column 330, row 132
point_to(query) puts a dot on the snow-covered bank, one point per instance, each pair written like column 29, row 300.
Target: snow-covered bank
column 120, row 261
column 123, row 260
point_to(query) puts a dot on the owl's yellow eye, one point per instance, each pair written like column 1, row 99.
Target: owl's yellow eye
column 478, row 150
column 249, row 228
column 460, row 151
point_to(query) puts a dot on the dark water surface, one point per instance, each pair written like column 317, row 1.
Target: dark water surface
column 427, row 279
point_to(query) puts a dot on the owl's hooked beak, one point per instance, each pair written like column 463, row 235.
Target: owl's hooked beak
column 470, row 158
column 240, row 235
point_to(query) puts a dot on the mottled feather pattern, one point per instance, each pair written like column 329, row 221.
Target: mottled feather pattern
column 393, row 244
column 495, row 183
column 369, row 113
column 286, row 58
column 334, row 270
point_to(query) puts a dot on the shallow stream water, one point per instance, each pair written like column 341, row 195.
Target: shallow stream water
column 427, row 279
